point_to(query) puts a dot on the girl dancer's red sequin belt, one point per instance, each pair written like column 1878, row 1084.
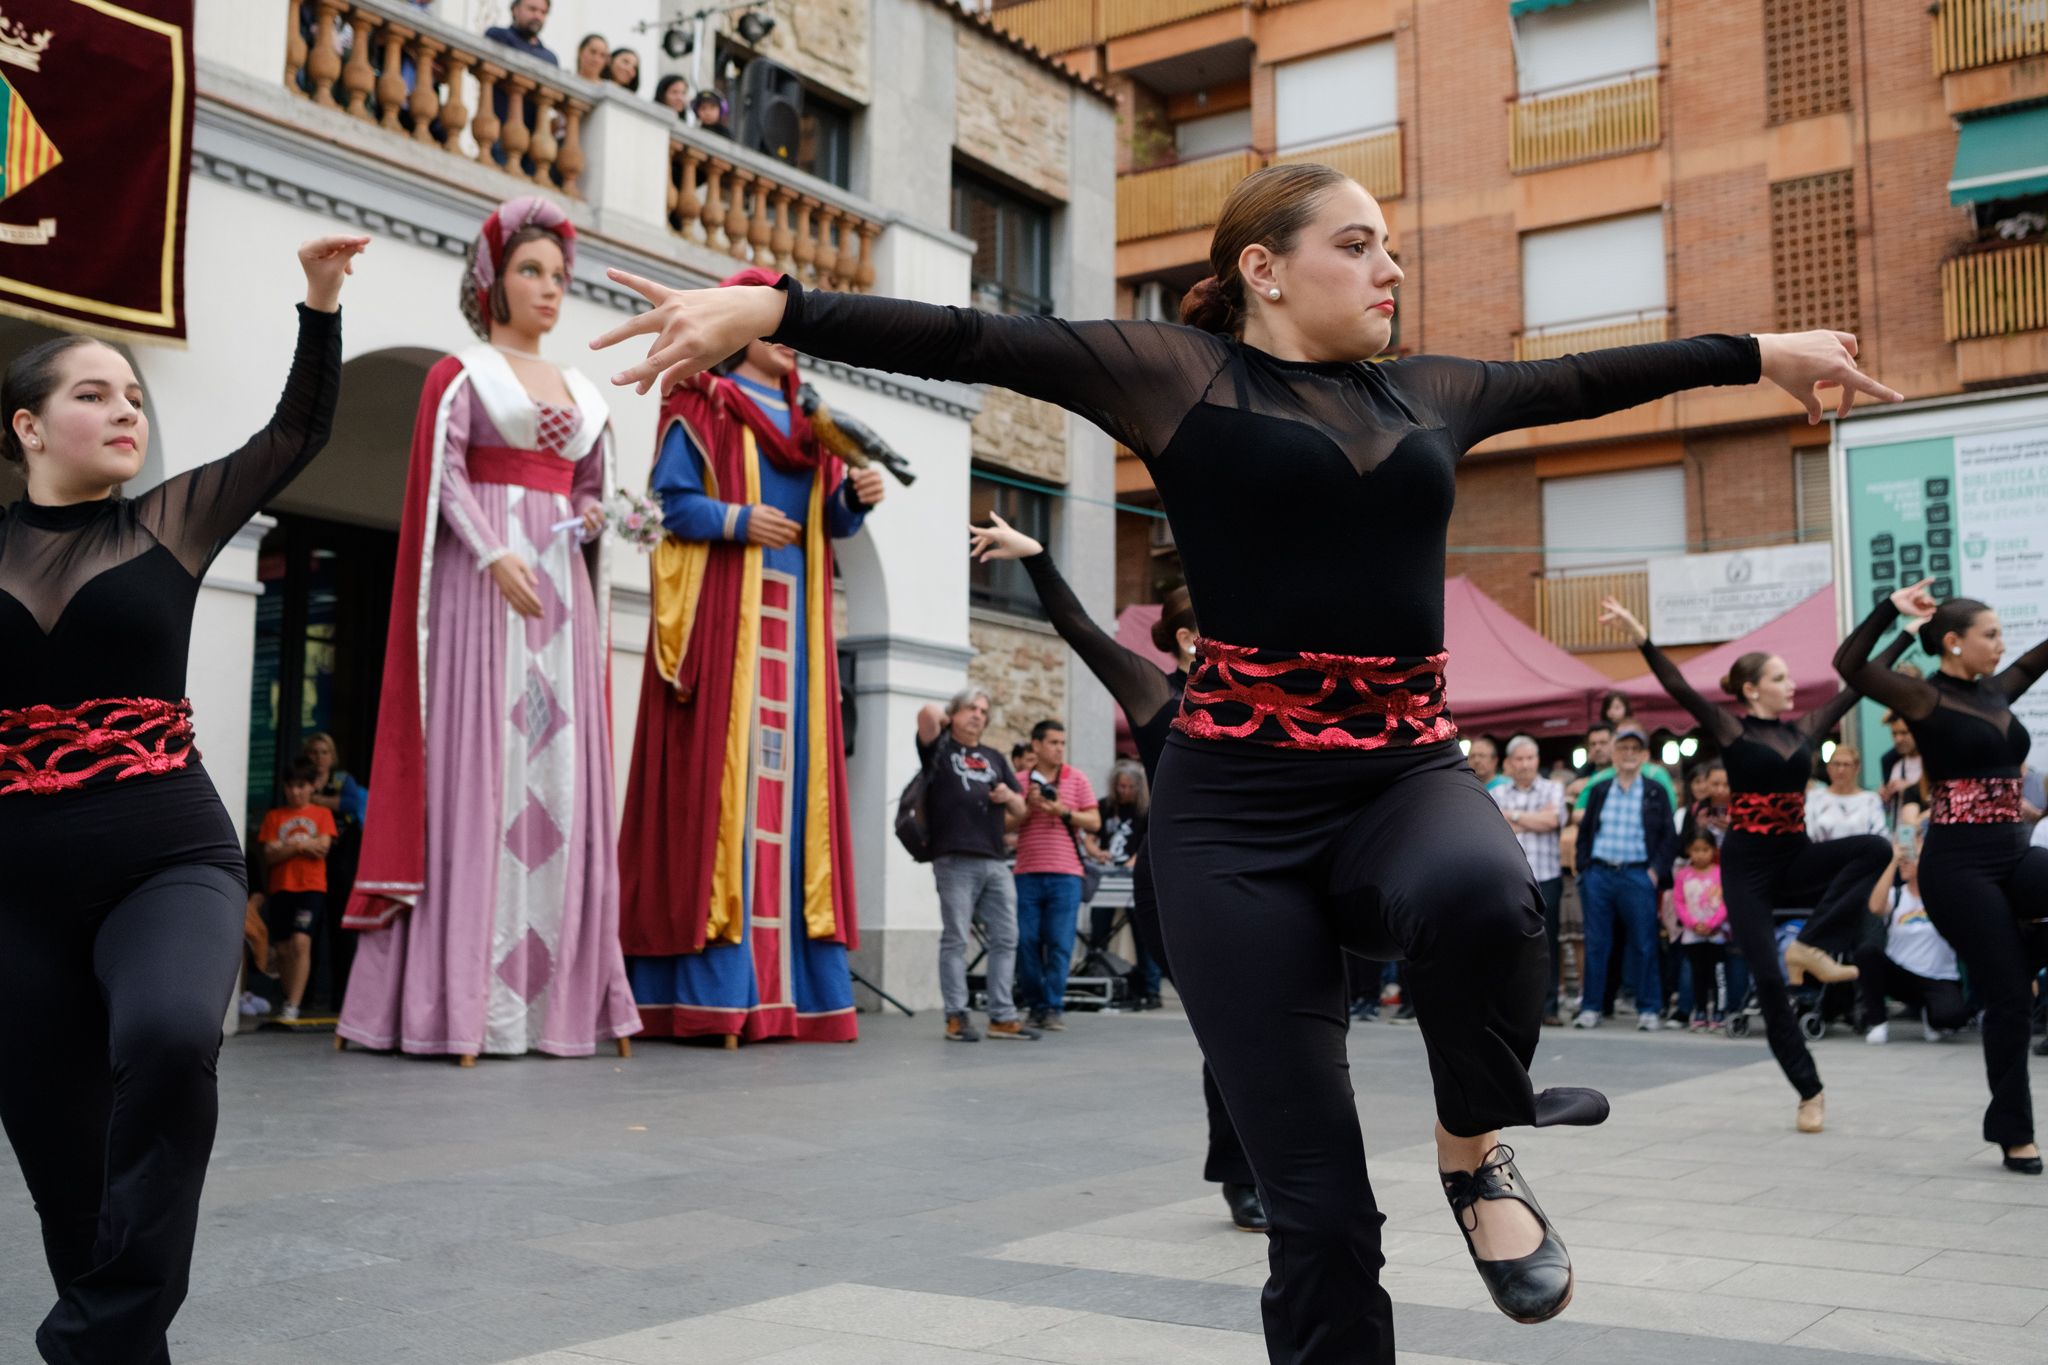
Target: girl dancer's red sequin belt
column 1314, row 701
column 1977, row 801
column 1768, row 812
column 49, row 749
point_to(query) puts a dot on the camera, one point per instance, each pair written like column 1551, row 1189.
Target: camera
column 1045, row 790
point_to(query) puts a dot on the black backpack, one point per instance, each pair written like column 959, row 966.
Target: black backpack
column 913, row 809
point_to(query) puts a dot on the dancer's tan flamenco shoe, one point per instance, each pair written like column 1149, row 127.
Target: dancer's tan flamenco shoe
column 1812, row 1114
column 1803, row 960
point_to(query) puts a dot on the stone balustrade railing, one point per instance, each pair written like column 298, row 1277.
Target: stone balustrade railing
column 756, row 211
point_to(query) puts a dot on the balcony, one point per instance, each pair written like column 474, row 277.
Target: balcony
column 362, row 59
column 1120, row 17
column 1551, row 342
column 1373, row 160
column 1557, row 129
column 1995, row 293
column 1568, row 605
column 1975, row 33
column 1179, row 198
column 1051, row 25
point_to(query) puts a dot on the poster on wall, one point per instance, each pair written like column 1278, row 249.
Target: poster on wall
column 1957, row 493
column 1714, row 597
column 96, row 107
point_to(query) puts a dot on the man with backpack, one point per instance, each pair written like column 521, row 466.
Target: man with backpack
column 969, row 795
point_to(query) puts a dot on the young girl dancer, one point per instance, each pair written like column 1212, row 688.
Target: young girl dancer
column 1767, row 861
column 1311, row 797
column 121, row 912
column 1985, row 889
column 1149, row 700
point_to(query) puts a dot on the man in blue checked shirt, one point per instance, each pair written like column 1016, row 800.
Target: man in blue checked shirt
column 1626, row 847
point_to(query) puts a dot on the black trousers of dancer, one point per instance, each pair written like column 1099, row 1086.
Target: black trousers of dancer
column 1879, row 978
column 1270, row 863
column 1983, row 886
column 1761, row 873
column 120, row 933
column 1226, row 1163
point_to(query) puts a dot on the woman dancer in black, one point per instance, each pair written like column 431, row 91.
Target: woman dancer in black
column 1985, row 889
column 1149, row 700
column 1767, row 861
column 121, row 909
column 1311, row 797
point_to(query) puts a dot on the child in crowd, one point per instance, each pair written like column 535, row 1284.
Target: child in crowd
column 1701, row 921
column 295, row 838
column 1914, row 963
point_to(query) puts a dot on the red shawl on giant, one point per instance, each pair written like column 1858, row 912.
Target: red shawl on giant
column 682, row 842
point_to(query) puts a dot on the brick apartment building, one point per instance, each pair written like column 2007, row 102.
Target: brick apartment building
column 1565, row 174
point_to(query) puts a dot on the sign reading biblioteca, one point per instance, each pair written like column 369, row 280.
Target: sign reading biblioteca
column 96, row 108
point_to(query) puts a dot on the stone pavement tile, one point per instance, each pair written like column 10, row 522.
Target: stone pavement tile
column 1434, row 1286
column 1577, row 1230
column 1221, row 1303
column 267, row 1257
column 1651, row 1269
column 956, row 1274
column 1826, row 1200
column 1717, row 1314
column 713, row 1339
column 231, row 1320
column 1095, row 1340
column 1666, row 1214
column 846, row 1349
column 1629, row 1346
column 1552, row 1183
column 903, row 1315
column 1998, row 1188
column 1762, row 1246
column 671, row 1240
column 1133, row 1256
column 1998, row 1238
column 1912, row 1294
column 1975, row 1267
column 1902, row 1336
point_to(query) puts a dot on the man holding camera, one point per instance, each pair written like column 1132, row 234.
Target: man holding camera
column 1061, row 804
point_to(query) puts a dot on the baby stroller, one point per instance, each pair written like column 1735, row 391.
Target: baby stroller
column 1814, row 1004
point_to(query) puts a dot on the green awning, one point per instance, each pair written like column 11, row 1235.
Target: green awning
column 1518, row 8
column 2001, row 156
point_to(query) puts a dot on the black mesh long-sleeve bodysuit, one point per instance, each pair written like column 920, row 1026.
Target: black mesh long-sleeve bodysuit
column 1768, row 862
column 1148, row 698
column 121, row 881
column 1985, row 888
column 1310, row 503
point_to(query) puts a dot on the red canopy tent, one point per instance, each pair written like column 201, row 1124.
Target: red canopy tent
column 1803, row 637
column 1503, row 676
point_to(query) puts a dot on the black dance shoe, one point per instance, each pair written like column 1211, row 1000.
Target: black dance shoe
column 1529, row 1289
column 1570, row 1106
column 2024, row 1165
column 1247, row 1210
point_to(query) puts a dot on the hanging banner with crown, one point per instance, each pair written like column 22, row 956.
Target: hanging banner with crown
column 96, row 117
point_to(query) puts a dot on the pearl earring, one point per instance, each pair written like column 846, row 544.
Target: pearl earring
column 1955, row 649
column 1273, row 293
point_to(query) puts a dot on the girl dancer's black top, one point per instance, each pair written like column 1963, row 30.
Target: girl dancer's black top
column 1964, row 729
column 96, row 598
column 1147, row 695
column 1763, row 757
column 1309, row 499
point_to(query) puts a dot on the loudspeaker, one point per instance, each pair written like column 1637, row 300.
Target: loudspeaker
column 771, row 109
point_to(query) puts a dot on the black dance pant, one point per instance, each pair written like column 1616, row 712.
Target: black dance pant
column 114, row 984
column 1879, row 977
column 1269, row 864
column 1761, row 873
column 1983, row 886
column 1226, row 1163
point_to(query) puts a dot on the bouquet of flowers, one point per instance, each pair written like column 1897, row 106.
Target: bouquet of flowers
column 634, row 518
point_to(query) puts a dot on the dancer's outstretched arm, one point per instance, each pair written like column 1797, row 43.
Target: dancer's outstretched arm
column 1821, row 721
column 1717, row 721
column 1913, row 698
column 1134, row 682
column 194, row 513
column 2023, row 672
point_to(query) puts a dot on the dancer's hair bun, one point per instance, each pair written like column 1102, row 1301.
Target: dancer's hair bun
column 1209, row 306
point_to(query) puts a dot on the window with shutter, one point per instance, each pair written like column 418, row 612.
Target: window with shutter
column 1814, row 493
column 1813, row 252
column 1593, row 273
column 1334, row 96
column 1583, row 43
column 1612, row 519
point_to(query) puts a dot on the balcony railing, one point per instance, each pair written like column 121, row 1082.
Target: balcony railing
column 1551, row 343
column 1580, row 125
column 1051, row 25
column 1178, row 198
column 365, row 58
column 1970, row 33
column 1568, row 606
column 1373, row 160
column 1120, row 17
column 769, row 218
column 1995, row 293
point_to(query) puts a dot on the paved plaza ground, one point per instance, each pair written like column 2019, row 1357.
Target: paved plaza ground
column 905, row 1202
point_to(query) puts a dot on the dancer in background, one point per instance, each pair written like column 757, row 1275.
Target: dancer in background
column 122, row 909
column 1149, row 700
column 488, row 887
column 1767, row 862
column 1985, row 889
column 1312, row 796
column 736, row 853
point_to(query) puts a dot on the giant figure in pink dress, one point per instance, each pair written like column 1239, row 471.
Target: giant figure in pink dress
column 488, row 890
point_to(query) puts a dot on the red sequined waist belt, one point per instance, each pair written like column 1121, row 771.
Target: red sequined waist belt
column 1977, row 801
column 1768, row 812
column 49, row 749
column 1314, row 701
column 521, row 468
